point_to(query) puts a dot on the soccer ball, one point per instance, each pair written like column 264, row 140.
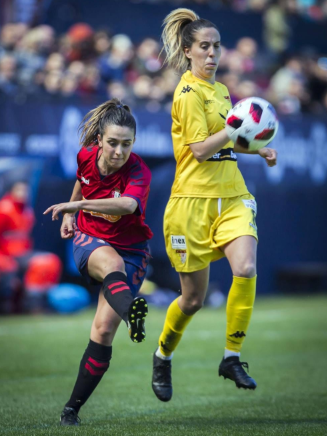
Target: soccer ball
column 252, row 123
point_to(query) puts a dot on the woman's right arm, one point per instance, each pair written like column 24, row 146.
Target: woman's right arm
column 210, row 146
column 68, row 226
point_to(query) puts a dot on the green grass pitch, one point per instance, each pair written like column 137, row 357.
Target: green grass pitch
column 286, row 348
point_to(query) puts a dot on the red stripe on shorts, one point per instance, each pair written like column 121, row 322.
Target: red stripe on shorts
column 87, row 242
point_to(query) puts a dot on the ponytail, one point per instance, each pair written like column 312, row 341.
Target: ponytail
column 178, row 33
column 112, row 112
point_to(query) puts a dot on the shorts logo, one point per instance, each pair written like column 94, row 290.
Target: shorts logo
column 251, row 204
column 178, row 242
column 182, row 255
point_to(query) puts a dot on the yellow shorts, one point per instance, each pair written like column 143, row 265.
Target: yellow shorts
column 195, row 228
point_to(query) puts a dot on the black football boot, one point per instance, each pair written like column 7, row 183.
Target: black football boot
column 137, row 312
column 161, row 378
column 232, row 368
column 69, row 417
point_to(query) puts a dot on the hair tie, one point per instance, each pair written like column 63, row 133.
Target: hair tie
column 119, row 105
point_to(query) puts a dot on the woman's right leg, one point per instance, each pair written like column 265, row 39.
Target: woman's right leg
column 104, row 265
column 194, row 287
column 95, row 361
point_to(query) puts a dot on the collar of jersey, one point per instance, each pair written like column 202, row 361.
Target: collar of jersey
column 190, row 78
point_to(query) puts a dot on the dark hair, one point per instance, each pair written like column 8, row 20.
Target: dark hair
column 180, row 27
column 111, row 113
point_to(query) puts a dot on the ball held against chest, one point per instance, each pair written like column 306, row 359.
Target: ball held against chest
column 252, row 123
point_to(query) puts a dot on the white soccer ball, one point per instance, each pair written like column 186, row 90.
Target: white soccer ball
column 252, row 123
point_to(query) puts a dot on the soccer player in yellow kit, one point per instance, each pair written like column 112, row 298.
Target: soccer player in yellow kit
column 210, row 213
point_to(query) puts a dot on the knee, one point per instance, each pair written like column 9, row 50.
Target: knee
column 104, row 332
column 246, row 270
column 192, row 305
column 116, row 265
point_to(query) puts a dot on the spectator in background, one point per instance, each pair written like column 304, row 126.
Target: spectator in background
column 20, row 266
column 287, row 87
column 8, row 75
column 147, row 59
column 11, row 35
column 79, row 43
column 33, row 51
column 114, row 64
column 276, row 29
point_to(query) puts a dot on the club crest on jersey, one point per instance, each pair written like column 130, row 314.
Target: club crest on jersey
column 115, row 193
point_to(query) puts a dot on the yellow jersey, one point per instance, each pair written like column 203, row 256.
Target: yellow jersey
column 199, row 110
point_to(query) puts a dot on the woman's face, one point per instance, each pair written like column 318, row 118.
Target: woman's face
column 116, row 143
column 205, row 53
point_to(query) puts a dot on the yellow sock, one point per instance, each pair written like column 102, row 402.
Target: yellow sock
column 239, row 310
column 175, row 324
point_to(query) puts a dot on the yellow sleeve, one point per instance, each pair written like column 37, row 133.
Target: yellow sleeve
column 189, row 107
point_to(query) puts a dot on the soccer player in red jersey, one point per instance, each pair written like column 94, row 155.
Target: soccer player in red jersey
column 110, row 237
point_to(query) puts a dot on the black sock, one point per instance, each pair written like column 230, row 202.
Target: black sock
column 94, row 364
column 118, row 294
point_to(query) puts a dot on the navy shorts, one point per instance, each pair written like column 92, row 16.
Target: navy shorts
column 136, row 258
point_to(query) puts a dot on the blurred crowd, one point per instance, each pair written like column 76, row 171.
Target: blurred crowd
column 314, row 9
column 85, row 63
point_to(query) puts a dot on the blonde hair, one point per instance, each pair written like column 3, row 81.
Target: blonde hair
column 178, row 33
column 111, row 112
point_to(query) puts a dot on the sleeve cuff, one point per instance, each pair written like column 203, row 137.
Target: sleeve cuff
column 138, row 202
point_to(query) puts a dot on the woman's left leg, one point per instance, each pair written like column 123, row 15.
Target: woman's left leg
column 241, row 254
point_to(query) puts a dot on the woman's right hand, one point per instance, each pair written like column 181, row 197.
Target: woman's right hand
column 68, row 226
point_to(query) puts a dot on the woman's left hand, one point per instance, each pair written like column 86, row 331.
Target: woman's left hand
column 71, row 207
column 270, row 155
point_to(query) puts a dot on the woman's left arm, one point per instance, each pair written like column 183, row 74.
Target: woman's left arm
column 109, row 206
column 269, row 154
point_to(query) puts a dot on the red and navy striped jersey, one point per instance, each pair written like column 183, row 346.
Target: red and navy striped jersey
column 131, row 180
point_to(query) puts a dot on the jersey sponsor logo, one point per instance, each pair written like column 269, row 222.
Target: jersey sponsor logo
column 209, row 101
column 87, row 182
column 178, row 242
column 186, row 89
column 115, row 193
column 182, row 255
column 111, row 218
column 222, row 155
column 251, row 204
